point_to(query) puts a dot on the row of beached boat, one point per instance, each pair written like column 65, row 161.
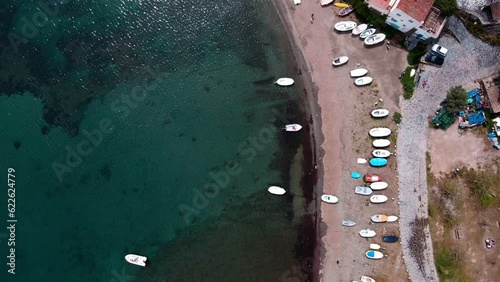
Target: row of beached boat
column 367, row 34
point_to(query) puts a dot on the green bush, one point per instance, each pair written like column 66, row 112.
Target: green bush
column 408, row 84
column 397, row 117
column 364, row 14
column 457, row 99
column 447, row 7
column 415, row 54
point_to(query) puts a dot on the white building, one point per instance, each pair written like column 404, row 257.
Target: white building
column 418, row 16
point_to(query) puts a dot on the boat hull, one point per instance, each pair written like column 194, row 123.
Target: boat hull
column 374, row 255
column 378, row 162
column 345, row 26
column 361, row 161
column 326, row 2
column 136, row 259
column 329, row 199
column 374, row 39
column 367, row 279
column 378, row 199
column 362, row 81
column 379, row 218
column 293, row 127
column 340, row 5
column 381, row 153
column 390, row 239
column 367, row 233
column 340, row 61
column 392, row 218
column 379, row 113
column 348, row 223
column 381, row 143
column 359, row 29
column 367, row 33
column 379, row 185
column 375, row 246
column 372, row 178
column 285, row 81
column 358, row 72
column 361, row 190
column 276, row 190
column 355, row 175
column 380, row 132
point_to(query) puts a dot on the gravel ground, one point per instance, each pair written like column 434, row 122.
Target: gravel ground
column 467, row 61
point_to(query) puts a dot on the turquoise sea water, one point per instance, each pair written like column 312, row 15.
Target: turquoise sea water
column 149, row 127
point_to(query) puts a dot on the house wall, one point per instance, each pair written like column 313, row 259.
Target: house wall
column 401, row 21
column 379, row 10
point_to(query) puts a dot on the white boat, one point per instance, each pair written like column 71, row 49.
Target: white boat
column 375, row 39
column 358, row 72
column 412, row 72
column 359, row 29
column 340, row 60
column 345, row 25
column 365, row 80
column 293, row 127
column 275, row 190
column 379, row 218
column 380, row 185
column 361, row 190
column 367, row 33
column 374, row 255
column 361, row 161
column 136, row 259
column 392, row 218
column 378, row 199
column 378, row 113
column 326, row 2
column 379, row 132
column 367, row 279
column 374, row 246
column 285, row 81
column 381, row 153
column 367, row 233
column 329, row 199
column 381, row 143
column 348, row 223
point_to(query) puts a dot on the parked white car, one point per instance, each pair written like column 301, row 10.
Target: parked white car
column 440, row 50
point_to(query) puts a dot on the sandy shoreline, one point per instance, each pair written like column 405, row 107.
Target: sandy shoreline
column 339, row 121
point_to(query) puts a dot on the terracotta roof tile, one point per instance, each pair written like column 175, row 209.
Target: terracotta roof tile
column 417, row 9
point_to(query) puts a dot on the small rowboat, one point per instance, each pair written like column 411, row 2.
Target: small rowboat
column 361, row 190
column 276, row 190
column 365, row 80
column 293, row 127
column 340, row 61
column 285, row 81
column 359, row 29
column 377, row 162
column 136, row 259
column 390, row 238
column 378, row 113
column 372, row 178
column 392, row 218
column 367, row 233
column 412, row 72
column 367, row 279
column 346, row 11
column 355, row 175
column 374, row 246
column 348, row 223
column 381, row 153
column 329, row 199
column 361, row 161
column 379, row 132
column 367, row 33
column 377, row 186
column 379, row 218
column 326, row 2
column 375, row 39
column 358, row 72
column 345, row 25
column 378, row 199
column 381, row 143
column 374, row 255
column 341, row 5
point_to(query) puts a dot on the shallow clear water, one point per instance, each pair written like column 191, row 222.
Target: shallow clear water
column 148, row 127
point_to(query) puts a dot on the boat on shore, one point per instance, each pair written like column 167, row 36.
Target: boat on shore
column 362, row 190
column 367, row 33
column 136, row 259
column 326, row 2
column 380, row 153
column 381, row 143
column 378, row 199
column 348, row 223
column 345, row 26
column 355, row 174
column 379, row 185
column 379, row 113
column 346, row 11
column 378, row 162
column 379, row 218
column 340, row 61
column 359, row 72
column 362, row 81
column 379, row 132
column 341, row 5
column 293, row 127
column 285, row 81
column 372, row 178
column 361, row 161
column 374, row 246
column 374, row 255
column 276, row 190
column 392, row 218
column 359, row 29
column 367, row 233
column 367, row 279
column 329, row 199
column 390, row 239
column 374, row 39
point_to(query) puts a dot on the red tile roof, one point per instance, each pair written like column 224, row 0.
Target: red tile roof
column 417, row 9
column 384, row 4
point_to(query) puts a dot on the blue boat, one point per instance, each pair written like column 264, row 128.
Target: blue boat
column 355, row 175
column 378, row 162
column 390, row 238
column 374, row 255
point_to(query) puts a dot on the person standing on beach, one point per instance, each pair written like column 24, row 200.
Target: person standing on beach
column 312, row 18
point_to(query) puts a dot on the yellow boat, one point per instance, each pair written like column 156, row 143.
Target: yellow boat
column 341, row 5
